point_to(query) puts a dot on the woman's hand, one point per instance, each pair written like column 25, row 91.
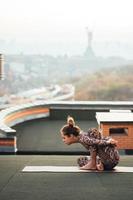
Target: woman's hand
column 112, row 141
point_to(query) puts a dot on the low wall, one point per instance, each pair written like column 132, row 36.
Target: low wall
column 16, row 115
column 84, row 110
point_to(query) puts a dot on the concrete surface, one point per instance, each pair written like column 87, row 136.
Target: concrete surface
column 16, row 185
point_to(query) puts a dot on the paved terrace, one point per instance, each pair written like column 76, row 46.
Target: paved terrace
column 16, row 185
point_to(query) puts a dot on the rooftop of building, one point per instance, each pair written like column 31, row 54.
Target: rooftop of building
column 14, row 184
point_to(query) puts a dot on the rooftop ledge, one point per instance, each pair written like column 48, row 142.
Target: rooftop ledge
column 39, row 109
column 114, row 117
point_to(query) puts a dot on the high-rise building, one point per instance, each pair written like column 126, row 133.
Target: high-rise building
column 1, row 66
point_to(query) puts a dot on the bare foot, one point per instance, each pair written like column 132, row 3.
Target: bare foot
column 89, row 166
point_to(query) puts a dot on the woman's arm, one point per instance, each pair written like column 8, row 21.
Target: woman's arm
column 101, row 142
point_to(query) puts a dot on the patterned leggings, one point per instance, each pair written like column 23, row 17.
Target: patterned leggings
column 83, row 160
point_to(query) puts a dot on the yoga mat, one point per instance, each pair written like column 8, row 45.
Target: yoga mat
column 59, row 169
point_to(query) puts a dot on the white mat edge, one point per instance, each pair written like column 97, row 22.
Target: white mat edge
column 59, row 169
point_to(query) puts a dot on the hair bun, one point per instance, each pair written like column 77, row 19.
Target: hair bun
column 70, row 121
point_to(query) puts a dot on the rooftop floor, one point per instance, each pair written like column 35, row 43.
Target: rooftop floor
column 16, row 185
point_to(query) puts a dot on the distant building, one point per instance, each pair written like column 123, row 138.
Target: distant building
column 1, row 66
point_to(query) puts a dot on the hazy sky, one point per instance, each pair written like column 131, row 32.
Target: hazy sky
column 59, row 25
